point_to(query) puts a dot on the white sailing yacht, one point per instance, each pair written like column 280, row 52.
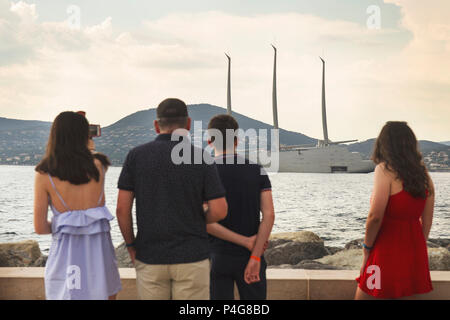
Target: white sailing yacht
column 327, row 156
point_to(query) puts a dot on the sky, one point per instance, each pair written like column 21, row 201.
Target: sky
column 385, row 60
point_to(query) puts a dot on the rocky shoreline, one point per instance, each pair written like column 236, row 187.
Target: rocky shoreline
column 306, row 250
column 290, row 250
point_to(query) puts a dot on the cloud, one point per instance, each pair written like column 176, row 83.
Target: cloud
column 422, row 69
column 12, row 18
column 48, row 67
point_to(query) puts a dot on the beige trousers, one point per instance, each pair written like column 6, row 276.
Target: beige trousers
column 184, row 281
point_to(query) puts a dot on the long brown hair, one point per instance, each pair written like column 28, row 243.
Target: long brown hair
column 398, row 148
column 67, row 155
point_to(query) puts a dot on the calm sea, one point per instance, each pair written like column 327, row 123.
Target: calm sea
column 334, row 206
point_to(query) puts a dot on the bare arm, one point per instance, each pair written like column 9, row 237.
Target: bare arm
column 217, row 210
column 252, row 270
column 219, row 231
column 378, row 202
column 380, row 198
column 124, row 215
column 41, row 223
column 427, row 215
column 125, row 219
column 265, row 227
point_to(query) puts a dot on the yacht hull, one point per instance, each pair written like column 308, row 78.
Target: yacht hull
column 327, row 159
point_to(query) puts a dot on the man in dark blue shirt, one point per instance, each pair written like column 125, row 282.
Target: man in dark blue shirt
column 237, row 242
column 171, row 249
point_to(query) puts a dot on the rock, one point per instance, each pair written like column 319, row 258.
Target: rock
column 350, row 259
column 333, row 250
column 123, row 258
column 294, row 252
column 40, row 262
column 354, row 244
column 439, row 259
column 440, row 242
column 276, row 242
column 314, row 265
column 299, row 236
column 293, row 247
column 432, row 245
column 20, row 254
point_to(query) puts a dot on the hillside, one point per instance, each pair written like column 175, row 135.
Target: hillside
column 23, row 142
column 366, row 147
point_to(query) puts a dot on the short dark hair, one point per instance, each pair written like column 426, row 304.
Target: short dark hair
column 222, row 122
column 172, row 112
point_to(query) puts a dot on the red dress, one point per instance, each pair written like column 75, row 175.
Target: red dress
column 398, row 262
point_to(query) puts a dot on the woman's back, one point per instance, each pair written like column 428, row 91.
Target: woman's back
column 76, row 197
column 401, row 204
column 81, row 251
column 395, row 261
column 404, row 206
column 81, row 262
column 399, row 251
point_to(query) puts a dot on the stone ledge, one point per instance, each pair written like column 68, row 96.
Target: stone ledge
column 282, row 284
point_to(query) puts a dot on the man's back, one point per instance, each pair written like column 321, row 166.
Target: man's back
column 243, row 183
column 169, row 197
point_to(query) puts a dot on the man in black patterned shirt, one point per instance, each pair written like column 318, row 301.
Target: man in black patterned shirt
column 171, row 250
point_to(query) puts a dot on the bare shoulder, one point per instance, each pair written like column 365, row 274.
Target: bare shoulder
column 430, row 184
column 40, row 176
column 382, row 171
column 101, row 160
column 99, row 164
column 41, row 179
column 381, row 168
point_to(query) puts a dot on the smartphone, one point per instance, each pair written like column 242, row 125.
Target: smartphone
column 95, row 130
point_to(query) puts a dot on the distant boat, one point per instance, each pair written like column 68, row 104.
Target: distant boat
column 325, row 157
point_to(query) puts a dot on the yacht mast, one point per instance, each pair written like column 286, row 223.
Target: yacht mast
column 324, row 108
column 274, row 90
column 229, row 86
column 274, row 98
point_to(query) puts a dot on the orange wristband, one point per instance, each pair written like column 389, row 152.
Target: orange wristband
column 255, row 258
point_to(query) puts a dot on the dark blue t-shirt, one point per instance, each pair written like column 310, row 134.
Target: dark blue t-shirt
column 243, row 182
column 171, row 222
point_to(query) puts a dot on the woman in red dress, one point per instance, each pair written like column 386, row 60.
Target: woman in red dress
column 395, row 261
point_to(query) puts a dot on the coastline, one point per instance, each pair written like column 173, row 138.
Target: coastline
column 333, row 206
column 287, row 250
column 115, row 165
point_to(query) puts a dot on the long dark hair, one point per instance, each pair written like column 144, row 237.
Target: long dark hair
column 67, row 155
column 398, row 148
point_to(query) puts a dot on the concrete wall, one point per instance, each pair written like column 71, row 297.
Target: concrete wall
column 283, row 284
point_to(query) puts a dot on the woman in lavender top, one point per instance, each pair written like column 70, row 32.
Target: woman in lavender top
column 70, row 178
